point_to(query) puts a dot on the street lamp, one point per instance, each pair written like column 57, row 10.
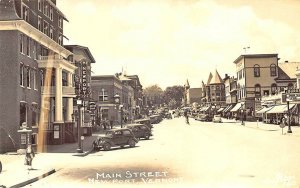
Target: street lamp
column 117, row 102
column 79, row 104
column 289, row 116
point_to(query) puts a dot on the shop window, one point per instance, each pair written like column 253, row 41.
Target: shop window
column 34, row 138
column 273, row 89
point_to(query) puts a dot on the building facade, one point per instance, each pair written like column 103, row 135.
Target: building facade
column 194, row 95
column 36, row 75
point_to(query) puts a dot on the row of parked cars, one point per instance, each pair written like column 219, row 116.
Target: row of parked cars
column 130, row 135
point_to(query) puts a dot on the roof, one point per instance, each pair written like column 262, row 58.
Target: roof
column 86, row 50
column 8, row 11
column 254, row 56
column 209, row 78
column 187, row 84
column 216, row 79
column 289, row 68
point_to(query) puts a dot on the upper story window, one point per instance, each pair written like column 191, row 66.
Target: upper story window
column 273, row 70
column 46, row 26
column 25, row 13
column 256, row 70
column 21, row 74
column 40, row 5
column 51, row 32
column 51, row 13
column 60, row 39
column 40, row 23
column 35, row 86
column 28, row 76
column 64, row 78
column 28, row 46
column 21, row 43
column 46, row 9
column 103, row 96
column 60, row 22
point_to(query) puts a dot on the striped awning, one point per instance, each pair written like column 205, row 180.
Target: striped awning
column 264, row 110
column 280, row 109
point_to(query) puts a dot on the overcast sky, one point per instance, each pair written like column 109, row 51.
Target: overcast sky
column 166, row 42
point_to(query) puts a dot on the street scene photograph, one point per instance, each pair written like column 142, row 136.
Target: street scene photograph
column 149, row 93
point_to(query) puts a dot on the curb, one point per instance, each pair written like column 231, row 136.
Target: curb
column 34, row 179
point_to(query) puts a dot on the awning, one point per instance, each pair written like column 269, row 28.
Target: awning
column 280, row 109
column 264, row 110
column 220, row 110
column 204, row 109
column 236, row 107
column 207, row 108
column 228, row 107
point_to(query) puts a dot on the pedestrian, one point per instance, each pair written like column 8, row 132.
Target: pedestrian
column 185, row 113
column 29, row 155
column 104, row 124
column 0, row 167
column 111, row 122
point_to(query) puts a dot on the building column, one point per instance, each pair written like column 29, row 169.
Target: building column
column 70, row 79
column 58, row 95
column 69, row 109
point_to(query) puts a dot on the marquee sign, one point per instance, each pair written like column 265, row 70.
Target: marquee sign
column 291, row 95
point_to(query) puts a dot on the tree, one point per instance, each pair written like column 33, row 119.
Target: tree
column 154, row 95
column 174, row 93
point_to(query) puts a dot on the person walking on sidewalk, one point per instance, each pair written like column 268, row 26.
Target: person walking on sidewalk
column 185, row 113
column 29, row 155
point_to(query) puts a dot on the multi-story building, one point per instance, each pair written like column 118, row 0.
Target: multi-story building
column 104, row 90
column 230, row 94
column 35, row 75
column 82, row 58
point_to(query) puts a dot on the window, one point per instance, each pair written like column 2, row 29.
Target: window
column 46, row 9
column 21, row 74
column 60, row 39
column 104, row 96
column 28, row 47
column 40, row 5
column 21, row 43
column 35, row 50
column 60, row 22
column 34, row 80
column 25, row 13
column 273, row 89
column 28, row 75
column 290, row 86
column 256, row 71
column 51, row 32
column 64, row 78
column 46, row 26
column 34, row 117
column 273, row 70
column 51, row 13
column 23, row 113
column 42, row 76
column 266, row 92
column 257, row 90
column 34, row 138
column 40, row 23
column 217, row 88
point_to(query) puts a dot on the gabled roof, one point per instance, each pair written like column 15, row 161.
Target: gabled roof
column 8, row 11
column 209, row 78
column 85, row 49
column 216, row 79
column 288, row 70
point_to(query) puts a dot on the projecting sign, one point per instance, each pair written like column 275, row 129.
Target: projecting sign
column 292, row 95
column 84, row 86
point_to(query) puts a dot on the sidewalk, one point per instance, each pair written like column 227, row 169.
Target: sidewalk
column 265, row 127
column 16, row 174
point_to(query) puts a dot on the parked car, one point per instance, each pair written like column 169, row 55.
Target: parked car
column 154, row 119
column 115, row 137
column 217, row 119
column 145, row 122
column 140, row 130
column 204, row 117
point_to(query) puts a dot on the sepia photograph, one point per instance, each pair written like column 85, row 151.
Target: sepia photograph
column 149, row 93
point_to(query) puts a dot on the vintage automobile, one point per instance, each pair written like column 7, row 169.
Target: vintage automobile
column 217, row 119
column 154, row 119
column 145, row 122
column 115, row 137
column 204, row 117
column 140, row 130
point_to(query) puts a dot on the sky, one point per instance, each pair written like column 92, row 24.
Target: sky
column 166, row 42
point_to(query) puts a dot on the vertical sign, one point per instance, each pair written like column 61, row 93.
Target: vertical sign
column 84, row 91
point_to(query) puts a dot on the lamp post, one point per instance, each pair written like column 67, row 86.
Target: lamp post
column 289, row 118
column 117, row 102
column 79, row 104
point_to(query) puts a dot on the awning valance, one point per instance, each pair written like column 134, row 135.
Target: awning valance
column 228, row 107
column 236, row 107
column 280, row 109
column 264, row 110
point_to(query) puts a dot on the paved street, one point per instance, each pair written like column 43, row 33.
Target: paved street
column 201, row 154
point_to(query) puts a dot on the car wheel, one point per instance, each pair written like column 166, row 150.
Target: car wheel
column 106, row 146
column 147, row 136
column 131, row 143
